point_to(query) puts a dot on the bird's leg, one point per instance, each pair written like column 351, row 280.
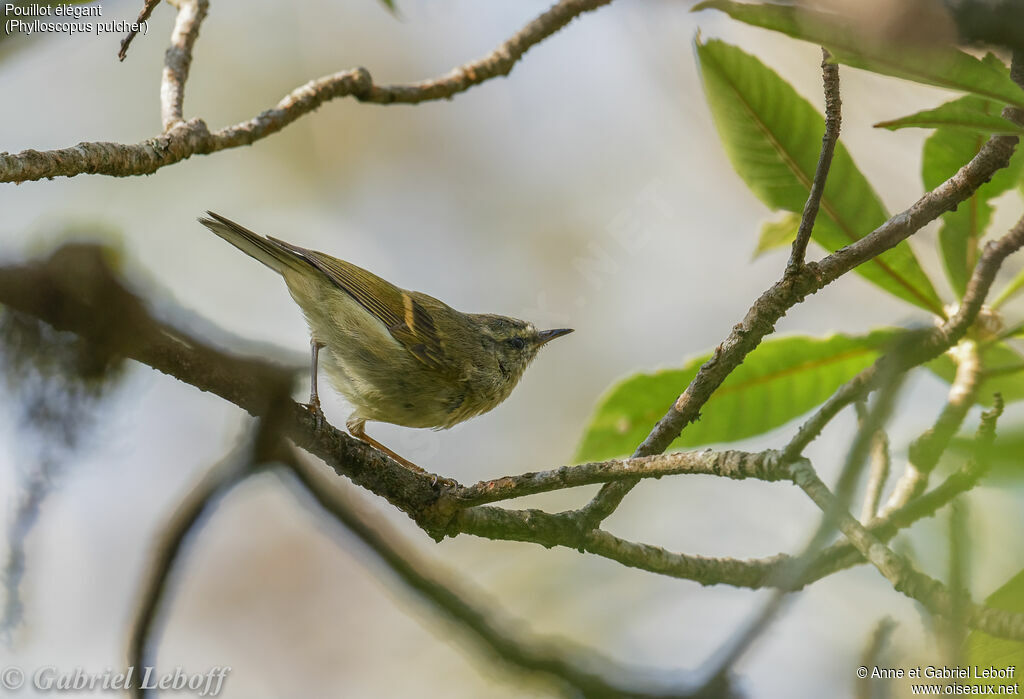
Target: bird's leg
column 313, row 406
column 358, row 429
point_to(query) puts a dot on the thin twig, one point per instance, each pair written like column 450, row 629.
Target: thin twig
column 144, row 13
column 178, row 59
column 739, row 465
column 187, row 138
column 954, row 627
column 926, row 450
column 863, row 538
column 843, row 555
column 879, row 471
column 263, row 446
column 872, row 657
column 833, row 119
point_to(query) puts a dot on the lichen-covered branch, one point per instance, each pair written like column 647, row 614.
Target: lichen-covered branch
column 183, row 139
column 178, row 60
column 75, row 291
column 764, row 465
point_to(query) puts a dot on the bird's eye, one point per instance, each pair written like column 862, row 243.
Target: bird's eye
column 517, row 343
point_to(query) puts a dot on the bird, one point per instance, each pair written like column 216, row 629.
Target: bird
column 397, row 356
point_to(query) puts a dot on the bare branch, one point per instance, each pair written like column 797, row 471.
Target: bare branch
column 263, row 446
column 764, row 465
column 537, row 526
column 147, row 9
column 183, row 139
column 954, row 629
column 833, row 119
column 178, row 59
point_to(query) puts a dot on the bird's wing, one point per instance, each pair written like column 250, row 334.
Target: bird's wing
column 406, row 319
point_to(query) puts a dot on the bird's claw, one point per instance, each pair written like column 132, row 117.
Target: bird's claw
column 313, row 407
column 445, row 482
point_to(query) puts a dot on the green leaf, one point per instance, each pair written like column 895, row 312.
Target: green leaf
column 956, row 116
column 780, row 380
column 1013, row 331
column 941, row 66
column 945, row 152
column 989, row 651
column 999, row 358
column 777, row 234
column 1011, row 289
column 772, row 136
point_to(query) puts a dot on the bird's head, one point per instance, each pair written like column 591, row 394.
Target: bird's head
column 513, row 343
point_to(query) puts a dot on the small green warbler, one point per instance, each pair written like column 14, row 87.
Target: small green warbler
column 398, row 356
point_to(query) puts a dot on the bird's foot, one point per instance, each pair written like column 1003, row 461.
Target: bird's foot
column 313, row 407
column 444, row 482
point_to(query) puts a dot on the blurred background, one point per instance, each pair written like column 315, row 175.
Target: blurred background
column 588, row 189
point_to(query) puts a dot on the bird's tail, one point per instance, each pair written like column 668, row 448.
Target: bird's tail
column 253, row 244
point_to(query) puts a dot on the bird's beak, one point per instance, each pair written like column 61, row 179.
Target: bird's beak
column 546, row 336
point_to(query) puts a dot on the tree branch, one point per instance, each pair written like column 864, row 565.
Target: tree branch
column 901, row 573
column 183, row 139
column 147, row 9
column 925, row 451
column 872, row 656
column 879, row 473
column 735, row 647
column 535, row 655
column 185, row 522
column 932, row 344
column 833, row 119
column 178, row 59
column 75, row 291
column 764, row 465
column 792, row 289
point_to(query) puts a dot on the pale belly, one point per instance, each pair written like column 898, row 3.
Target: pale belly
column 382, row 395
